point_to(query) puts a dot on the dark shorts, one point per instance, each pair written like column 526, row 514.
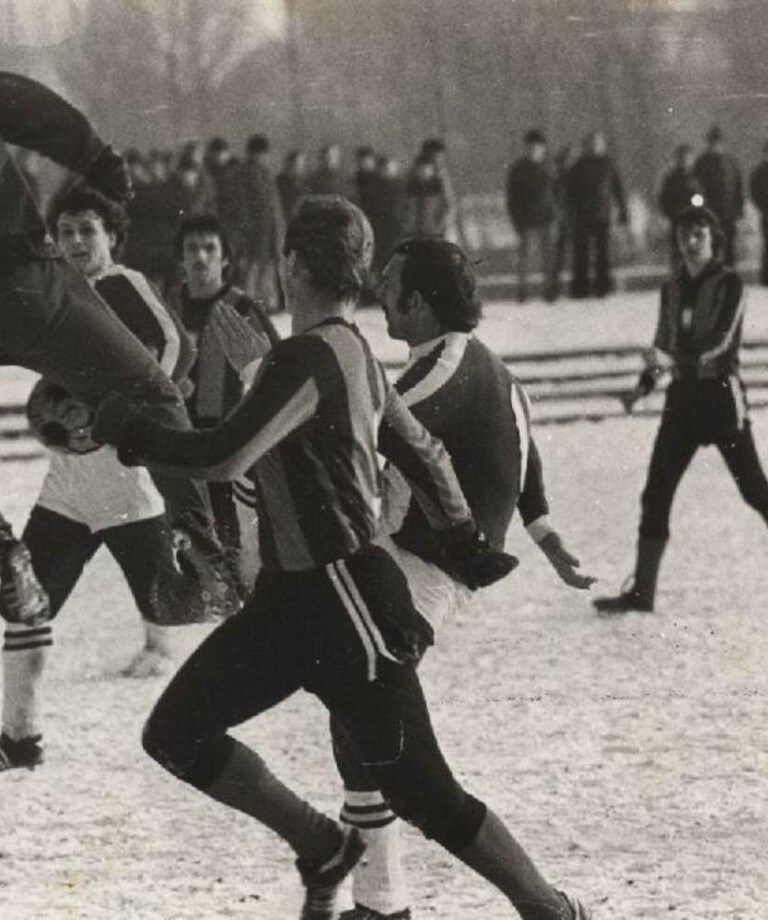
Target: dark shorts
column 324, row 631
column 61, row 549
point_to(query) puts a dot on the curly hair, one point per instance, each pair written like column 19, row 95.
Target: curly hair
column 78, row 197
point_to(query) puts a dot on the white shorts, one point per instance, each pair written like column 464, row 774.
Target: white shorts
column 435, row 594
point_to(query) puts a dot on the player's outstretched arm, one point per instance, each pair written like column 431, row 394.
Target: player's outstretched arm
column 36, row 118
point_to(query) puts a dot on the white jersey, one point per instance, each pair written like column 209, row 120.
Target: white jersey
column 96, row 489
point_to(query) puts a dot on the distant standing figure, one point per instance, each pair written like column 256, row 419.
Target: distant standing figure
column 563, row 228
column 328, row 178
column 531, row 208
column 292, row 183
column 389, row 211
column 720, row 176
column 426, row 204
column 594, row 187
column 263, row 222
column 679, row 189
column 758, row 190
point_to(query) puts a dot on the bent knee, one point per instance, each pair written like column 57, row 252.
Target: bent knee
column 194, row 760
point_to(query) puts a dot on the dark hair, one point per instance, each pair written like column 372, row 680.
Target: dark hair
column 78, row 197
column 443, row 274
column 217, row 145
column 683, row 149
column 534, row 136
column 715, row 134
column 203, row 223
column 258, row 143
column 433, row 145
column 365, row 150
column 334, row 241
column 700, row 216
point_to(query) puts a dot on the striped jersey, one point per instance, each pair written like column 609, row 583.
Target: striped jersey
column 95, row 489
column 307, row 435
column 463, row 394
column 700, row 322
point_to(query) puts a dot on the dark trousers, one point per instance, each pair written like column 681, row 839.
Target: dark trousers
column 589, row 238
column 320, row 630
column 729, row 243
column 52, row 322
column 673, row 451
column 61, row 548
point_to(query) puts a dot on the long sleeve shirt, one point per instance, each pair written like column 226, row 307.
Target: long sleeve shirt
column 307, row 435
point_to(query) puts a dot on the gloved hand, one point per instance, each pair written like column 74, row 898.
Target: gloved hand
column 22, row 599
column 109, row 175
column 470, row 559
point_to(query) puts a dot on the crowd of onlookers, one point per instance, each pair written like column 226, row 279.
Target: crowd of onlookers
column 254, row 200
column 564, row 206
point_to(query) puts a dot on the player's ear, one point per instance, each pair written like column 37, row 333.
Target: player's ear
column 412, row 302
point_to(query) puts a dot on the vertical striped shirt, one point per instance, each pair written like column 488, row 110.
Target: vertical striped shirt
column 307, row 434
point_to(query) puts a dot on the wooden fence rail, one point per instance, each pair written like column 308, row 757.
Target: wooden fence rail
column 581, row 384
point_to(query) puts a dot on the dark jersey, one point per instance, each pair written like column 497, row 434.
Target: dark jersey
column 463, row 394
column 307, row 435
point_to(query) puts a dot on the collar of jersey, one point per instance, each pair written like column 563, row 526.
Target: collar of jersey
column 419, row 351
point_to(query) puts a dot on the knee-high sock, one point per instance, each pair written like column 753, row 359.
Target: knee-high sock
column 378, row 880
column 499, row 858
column 157, row 639
column 24, row 655
column 247, row 784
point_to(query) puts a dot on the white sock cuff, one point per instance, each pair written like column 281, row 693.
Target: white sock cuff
column 366, row 809
column 21, row 638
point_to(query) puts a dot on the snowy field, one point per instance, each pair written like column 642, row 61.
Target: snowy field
column 629, row 755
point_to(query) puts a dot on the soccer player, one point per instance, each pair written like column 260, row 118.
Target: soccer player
column 231, row 333
column 51, row 320
column 429, row 294
column 698, row 338
column 91, row 499
column 330, row 611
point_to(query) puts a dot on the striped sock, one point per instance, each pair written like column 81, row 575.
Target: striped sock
column 24, row 656
column 379, row 880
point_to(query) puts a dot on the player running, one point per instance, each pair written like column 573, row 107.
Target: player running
column 51, row 320
column 429, row 295
column 330, row 612
column 698, row 339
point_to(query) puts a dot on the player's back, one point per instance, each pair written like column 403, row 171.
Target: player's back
column 463, row 394
column 318, row 490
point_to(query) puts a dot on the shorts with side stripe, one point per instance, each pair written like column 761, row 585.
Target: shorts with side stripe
column 329, row 631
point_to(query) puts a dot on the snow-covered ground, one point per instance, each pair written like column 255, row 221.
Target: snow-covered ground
column 628, row 754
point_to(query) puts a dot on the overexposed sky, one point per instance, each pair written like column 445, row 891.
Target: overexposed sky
column 39, row 23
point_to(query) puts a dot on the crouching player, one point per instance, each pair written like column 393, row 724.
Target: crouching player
column 429, row 294
column 331, row 611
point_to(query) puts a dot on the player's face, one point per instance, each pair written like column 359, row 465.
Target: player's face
column 389, row 294
column 85, row 242
column 695, row 244
column 203, row 259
